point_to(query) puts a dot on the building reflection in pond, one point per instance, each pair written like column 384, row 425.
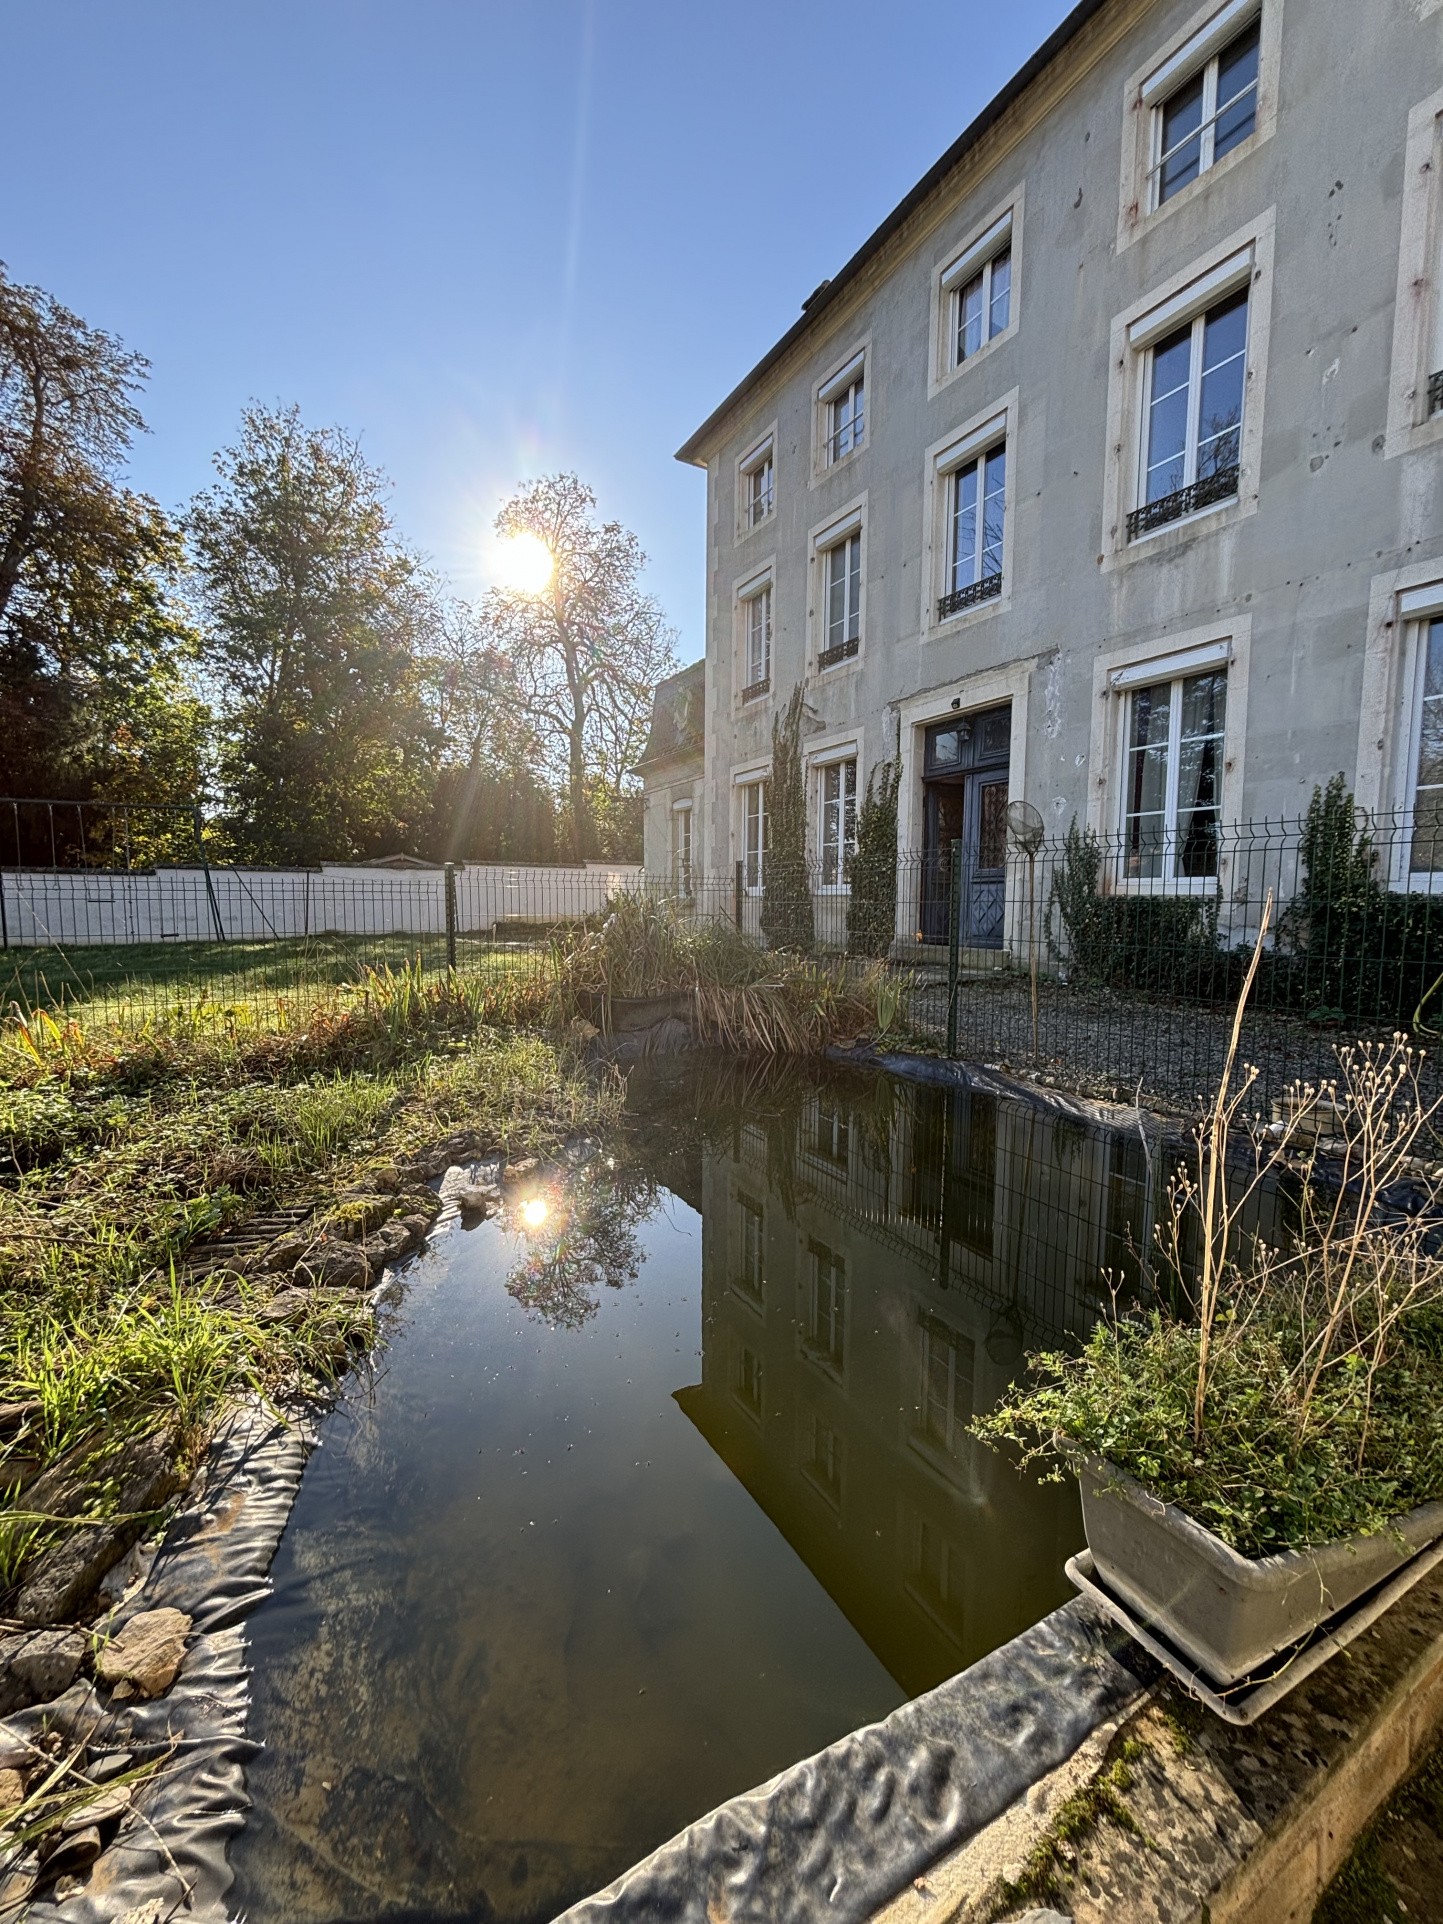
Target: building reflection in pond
column 875, row 1260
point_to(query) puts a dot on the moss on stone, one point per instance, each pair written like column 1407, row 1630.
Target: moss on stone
column 1044, row 1877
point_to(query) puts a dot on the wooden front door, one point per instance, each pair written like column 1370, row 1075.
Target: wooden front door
column 964, row 787
column 984, row 861
column 942, row 826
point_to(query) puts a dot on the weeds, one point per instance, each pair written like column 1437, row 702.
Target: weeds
column 1299, row 1397
column 124, row 1147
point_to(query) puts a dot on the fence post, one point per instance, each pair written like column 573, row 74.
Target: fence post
column 954, row 946
column 739, row 889
column 4, row 922
column 205, row 864
column 450, row 915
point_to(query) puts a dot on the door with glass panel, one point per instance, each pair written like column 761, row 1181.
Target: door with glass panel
column 964, row 797
column 984, row 860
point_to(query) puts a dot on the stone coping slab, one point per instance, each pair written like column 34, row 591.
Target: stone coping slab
column 1171, row 1816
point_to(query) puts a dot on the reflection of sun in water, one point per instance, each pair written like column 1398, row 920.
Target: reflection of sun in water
column 526, row 564
column 534, row 1213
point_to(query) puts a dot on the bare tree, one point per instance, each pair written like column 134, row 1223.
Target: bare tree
column 587, row 651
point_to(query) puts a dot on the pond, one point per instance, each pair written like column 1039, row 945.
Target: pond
column 661, row 1481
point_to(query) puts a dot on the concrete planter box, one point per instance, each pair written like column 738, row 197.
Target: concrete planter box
column 1229, row 1613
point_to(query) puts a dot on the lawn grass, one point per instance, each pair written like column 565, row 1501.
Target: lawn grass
column 131, row 983
column 120, row 1149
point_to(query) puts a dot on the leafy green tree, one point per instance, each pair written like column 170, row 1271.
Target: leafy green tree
column 786, row 885
column 318, row 623
column 586, row 651
column 95, row 649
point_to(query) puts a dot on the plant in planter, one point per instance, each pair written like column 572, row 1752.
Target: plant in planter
column 1263, row 1447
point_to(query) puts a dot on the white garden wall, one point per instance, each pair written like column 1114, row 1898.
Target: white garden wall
column 66, row 908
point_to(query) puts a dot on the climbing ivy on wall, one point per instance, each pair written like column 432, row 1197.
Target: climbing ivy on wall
column 872, row 913
column 786, row 885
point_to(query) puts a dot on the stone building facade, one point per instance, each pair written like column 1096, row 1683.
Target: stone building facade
column 671, row 770
column 1105, row 475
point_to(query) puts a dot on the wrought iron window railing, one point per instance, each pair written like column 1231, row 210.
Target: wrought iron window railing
column 1435, row 391
column 843, row 651
column 1202, row 493
column 987, row 589
column 754, row 690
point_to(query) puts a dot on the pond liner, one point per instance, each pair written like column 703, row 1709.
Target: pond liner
column 942, row 1072
column 212, row 1564
column 834, row 1838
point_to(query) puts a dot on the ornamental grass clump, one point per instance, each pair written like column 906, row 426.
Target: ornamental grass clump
column 1284, row 1390
column 738, row 995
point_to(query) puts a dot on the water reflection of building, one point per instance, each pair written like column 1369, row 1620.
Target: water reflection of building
column 872, row 1270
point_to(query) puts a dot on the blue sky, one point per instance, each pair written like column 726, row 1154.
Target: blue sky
column 492, row 240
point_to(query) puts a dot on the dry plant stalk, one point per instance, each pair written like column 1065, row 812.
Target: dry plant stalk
column 1217, row 1218
column 1357, row 1265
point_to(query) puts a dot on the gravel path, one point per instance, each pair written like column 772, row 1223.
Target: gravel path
column 1103, row 1046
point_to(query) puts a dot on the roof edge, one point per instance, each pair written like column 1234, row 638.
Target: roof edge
column 831, row 290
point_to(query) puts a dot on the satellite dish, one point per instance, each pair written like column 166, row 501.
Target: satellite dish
column 1025, row 826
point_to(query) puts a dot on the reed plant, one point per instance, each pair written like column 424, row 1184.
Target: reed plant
column 737, row 994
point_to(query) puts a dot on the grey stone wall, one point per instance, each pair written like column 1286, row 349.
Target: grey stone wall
column 1286, row 574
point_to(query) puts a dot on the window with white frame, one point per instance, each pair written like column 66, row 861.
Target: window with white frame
column 828, row 1131
column 1172, row 772
column 747, row 1379
column 823, row 1460
column 841, row 572
column 1425, row 779
column 757, row 641
column 843, row 402
column 751, row 1248
column 976, row 506
column 1194, row 377
column 758, row 484
column 837, row 821
column 1203, row 105
column 977, row 289
column 1415, row 385
column 825, row 1329
column 681, row 848
column 945, row 1403
column 936, row 1575
column 754, row 834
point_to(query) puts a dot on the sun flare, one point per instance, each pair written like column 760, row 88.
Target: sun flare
column 534, row 1212
column 526, row 564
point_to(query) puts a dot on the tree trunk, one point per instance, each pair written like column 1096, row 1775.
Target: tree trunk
column 576, row 785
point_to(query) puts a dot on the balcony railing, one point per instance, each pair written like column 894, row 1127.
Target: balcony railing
column 1202, row 493
column 1435, row 392
column 754, row 690
column 987, row 589
column 843, row 651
